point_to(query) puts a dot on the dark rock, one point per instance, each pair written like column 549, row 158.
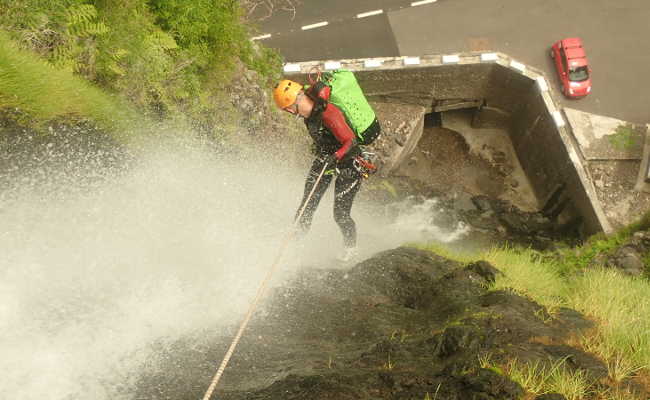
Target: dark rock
column 642, row 238
column 459, row 338
column 387, row 379
column 629, row 260
column 568, row 319
column 397, row 326
column 484, row 269
column 485, row 223
column 486, row 384
column 327, row 387
column 405, row 275
column 551, row 396
column 576, row 359
column 483, row 203
column 464, row 202
column 525, row 223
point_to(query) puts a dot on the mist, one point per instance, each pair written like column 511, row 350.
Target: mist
column 102, row 263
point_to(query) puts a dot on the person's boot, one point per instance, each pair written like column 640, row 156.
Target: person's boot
column 349, row 254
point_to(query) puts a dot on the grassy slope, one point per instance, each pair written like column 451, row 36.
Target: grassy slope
column 168, row 61
column 45, row 93
column 620, row 306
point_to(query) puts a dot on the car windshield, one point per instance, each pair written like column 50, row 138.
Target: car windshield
column 578, row 74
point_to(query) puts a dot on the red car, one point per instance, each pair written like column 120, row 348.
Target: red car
column 572, row 67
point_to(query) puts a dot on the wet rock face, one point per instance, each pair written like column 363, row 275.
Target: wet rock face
column 630, row 257
column 400, row 325
column 550, row 396
column 508, row 223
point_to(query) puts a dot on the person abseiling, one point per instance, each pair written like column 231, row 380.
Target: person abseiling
column 339, row 120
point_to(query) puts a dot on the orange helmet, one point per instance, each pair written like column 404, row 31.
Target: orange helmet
column 285, row 93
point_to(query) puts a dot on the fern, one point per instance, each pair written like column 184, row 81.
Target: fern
column 119, row 54
column 116, row 69
column 81, row 21
column 160, row 40
column 116, row 56
column 63, row 58
column 81, row 14
column 86, row 29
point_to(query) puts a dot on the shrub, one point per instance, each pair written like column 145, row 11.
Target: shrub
column 172, row 59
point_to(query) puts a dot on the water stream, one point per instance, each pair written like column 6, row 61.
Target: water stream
column 100, row 266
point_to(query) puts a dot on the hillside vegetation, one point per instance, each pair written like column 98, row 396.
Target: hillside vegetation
column 580, row 279
column 112, row 61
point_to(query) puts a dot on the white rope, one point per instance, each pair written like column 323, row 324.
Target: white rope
column 260, row 292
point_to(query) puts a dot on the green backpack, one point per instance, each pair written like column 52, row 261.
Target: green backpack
column 347, row 95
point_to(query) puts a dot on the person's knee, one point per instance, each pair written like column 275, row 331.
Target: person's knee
column 342, row 217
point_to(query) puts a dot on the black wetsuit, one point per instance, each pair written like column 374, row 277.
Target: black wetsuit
column 348, row 179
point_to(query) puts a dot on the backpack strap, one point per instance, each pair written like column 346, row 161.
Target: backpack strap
column 319, row 92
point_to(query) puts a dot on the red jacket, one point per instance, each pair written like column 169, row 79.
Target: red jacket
column 332, row 119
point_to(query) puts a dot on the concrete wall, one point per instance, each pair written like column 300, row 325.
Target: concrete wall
column 545, row 148
column 402, row 127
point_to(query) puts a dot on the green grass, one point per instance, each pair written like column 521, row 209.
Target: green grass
column 540, row 378
column 169, row 62
column 619, row 304
column 48, row 94
column 537, row 378
column 624, row 137
column 582, row 257
column 526, row 273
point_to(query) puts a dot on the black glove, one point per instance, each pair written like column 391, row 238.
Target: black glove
column 331, row 160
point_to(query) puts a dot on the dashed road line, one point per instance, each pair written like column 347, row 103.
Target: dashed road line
column 332, row 65
column 422, row 2
column 370, row 13
column 313, row 26
column 450, row 59
column 261, row 37
column 372, row 63
column 358, row 16
column 517, row 65
column 411, row 61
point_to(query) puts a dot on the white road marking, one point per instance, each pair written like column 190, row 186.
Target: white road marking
column 317, row 25
column 261, row 37
column 372, row 63
column 422, row 2
column 559, row 121
column 292, row 68
column 450, row 59
column 332, row 65
column 517, row 65
column 541, row 82
column 489, row 57
column 412, row 61
column 370, row 13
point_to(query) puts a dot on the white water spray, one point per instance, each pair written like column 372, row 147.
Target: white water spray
column 95, row 268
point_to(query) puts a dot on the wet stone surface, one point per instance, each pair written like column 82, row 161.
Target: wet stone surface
column 399, row 325
column 630, row 258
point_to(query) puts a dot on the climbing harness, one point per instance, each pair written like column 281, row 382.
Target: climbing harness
column 260, row 291
column 363, row 163
column 346, row 191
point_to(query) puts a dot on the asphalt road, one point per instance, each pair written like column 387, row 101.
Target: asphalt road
column 616, row 35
